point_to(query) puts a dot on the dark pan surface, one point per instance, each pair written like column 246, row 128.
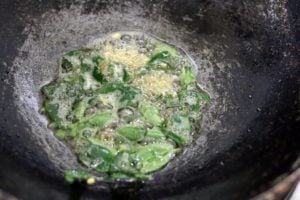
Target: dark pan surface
column 247, row 57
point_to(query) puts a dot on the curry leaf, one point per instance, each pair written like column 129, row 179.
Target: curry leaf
column 101, row 158
column 79, row 109
column 129, row 95
column 111, row 87
column 51, row 110
column 66, row 65
column 150, row 114
column 159, row 56
column 124, row 163
column 60, row 133
column 48, row 90
column 132, row 133
column 187, row 76
column 97, row 59
column 154, row 156
column 181, row 127
column 98, row 76
column 100, row 120
column 155, row 134
column 126, row 76
column 179, row 140
column 103, row 143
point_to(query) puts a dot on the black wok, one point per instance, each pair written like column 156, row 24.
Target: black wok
column 247, row 53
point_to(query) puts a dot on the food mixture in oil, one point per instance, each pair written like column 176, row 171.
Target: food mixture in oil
column 125, row 107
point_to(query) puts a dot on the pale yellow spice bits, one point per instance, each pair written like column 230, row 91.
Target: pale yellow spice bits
column 91, row 181
column 116, row 35
column 156, row 83
column 130, row 57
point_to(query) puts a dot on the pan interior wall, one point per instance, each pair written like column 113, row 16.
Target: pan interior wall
column 244, row 58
